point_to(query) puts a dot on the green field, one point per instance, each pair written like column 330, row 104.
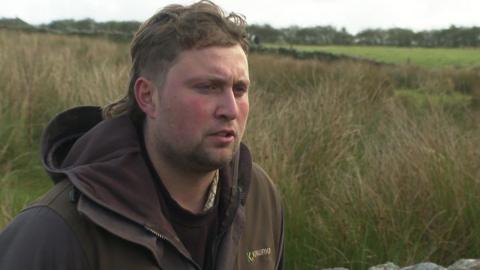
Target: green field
column 375, row 163
column 426, row 57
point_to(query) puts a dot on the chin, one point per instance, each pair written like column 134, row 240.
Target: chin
column 212, row 159
column 217, row 161
column 222, row 161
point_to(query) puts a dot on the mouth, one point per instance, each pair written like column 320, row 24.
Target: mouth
column 224, row 137
column 225, row 133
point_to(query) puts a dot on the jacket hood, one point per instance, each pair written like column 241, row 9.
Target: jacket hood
column 62, row 132
column 103, row 159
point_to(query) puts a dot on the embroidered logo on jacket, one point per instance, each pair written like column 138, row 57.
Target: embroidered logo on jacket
column 254, row 254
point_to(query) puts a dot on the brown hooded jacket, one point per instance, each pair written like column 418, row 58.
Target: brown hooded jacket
column 104, row 212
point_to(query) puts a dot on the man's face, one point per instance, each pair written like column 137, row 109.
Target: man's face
column 202, row 109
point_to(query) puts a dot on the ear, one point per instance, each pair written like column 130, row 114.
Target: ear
column 145, row 96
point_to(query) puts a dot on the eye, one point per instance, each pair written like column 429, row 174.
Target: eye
column 240, row 89
column 207, row 87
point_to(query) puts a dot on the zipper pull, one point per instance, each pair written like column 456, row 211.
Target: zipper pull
column 160, row 236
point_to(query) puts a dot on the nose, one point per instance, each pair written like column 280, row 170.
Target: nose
column 227, row 106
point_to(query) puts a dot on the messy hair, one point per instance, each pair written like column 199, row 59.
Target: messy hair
column 160, row 39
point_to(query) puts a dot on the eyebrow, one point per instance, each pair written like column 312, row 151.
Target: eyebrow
column 216, row 80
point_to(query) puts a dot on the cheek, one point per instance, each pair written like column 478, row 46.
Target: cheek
column 243, row 108
column 191, row 116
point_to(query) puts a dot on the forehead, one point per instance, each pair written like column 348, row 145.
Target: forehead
column 221, row 61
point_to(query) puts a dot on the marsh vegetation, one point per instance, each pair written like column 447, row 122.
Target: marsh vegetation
column 375, row 163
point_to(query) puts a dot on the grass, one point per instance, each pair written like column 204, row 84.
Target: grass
column 421, row 99
column 43, row 74
column 21, row 186
column 375, row 164
column 425, row 57
column 366, row 178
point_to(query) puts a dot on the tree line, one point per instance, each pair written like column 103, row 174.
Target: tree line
column 328, row 35
column 317, row 35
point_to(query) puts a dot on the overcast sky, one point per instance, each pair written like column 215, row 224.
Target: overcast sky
column 354, row 15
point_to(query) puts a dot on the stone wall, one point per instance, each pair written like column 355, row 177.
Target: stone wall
column 463, row 264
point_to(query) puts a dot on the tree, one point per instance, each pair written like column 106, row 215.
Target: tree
column 371, row 37
column 265, row 33
column 399, row 37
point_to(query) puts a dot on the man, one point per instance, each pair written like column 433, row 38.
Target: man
column 161, row 181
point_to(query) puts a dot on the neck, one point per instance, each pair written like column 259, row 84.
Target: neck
column 188, row 188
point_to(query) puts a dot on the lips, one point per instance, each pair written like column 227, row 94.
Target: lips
column 225, row 133
column 223, row 137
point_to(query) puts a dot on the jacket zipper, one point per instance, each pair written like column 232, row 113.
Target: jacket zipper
column 215, row 247
column 164, row 238
column 158, row 235
column 217, row 240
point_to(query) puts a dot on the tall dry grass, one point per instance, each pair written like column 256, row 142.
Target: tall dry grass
column 366, row 177
column 41, row 75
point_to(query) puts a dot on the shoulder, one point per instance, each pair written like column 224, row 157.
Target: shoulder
column 262, row 240
column 39, row 238
column 262, row 186
column 263, row 199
